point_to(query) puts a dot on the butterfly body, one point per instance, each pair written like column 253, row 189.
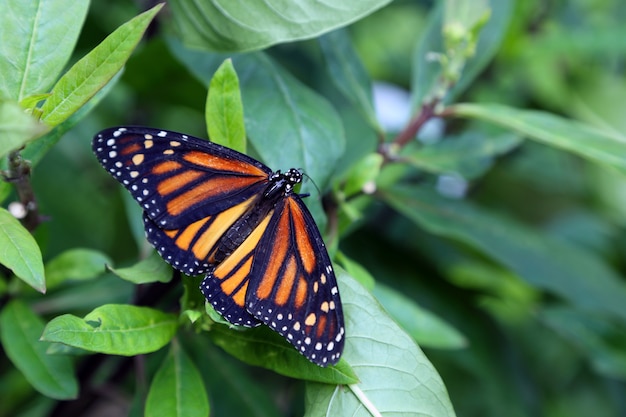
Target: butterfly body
column 211, row 210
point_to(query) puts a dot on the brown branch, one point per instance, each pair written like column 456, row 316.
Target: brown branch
column 427, row 111
column 19, row 174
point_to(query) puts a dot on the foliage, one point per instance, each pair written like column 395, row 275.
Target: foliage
column 469, row 157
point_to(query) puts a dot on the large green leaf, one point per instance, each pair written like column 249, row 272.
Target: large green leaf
column 586, row 141
column 288, row 124
column 114, row 329
column 541, row 260
column 36, row 40
column 177, row 389
column 226, row 25
column 348, row 73
column 90, row 74
column 52, row 375
column 20, row 253
column 395, row 377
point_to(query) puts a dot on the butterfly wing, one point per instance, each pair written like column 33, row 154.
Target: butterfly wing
column 178, row 179
column 283, row 277
column 191, row 190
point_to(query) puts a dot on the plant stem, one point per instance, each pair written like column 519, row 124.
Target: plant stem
column 19, row 174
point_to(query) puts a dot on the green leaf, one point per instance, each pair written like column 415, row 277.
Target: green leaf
column 224, row 25
column 586, row 141
column 16, row 127
column 30, row 103
column 36, row 149
column 263, row 347
column 348, row 73
column 224, row 110
column 20, row 253
column 75, row 264
column 177, row 389
column 91, row 73
column 36, row 41
column 541, row 260
column 151, row 269
column 52, row 375
column 395, row 376
column 469, row 154
column 114, row 329
column 299, row 127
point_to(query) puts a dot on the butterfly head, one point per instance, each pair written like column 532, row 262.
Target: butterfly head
column 283, row 183
column 293, row 177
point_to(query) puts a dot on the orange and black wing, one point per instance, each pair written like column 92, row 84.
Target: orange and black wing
column 282, row 275
column 191, row 190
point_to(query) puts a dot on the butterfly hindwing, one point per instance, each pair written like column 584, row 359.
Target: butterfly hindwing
column 282, row 275
column 226, row 285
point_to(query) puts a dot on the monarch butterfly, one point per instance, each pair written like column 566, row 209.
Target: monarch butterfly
column 211, row 210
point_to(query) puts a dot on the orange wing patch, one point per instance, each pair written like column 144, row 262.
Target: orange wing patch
column 207, row 189
column 223, row 164
column 165, row 167
column 305, row 247
column 176, row 182
column 234, row 271
column 201, row 236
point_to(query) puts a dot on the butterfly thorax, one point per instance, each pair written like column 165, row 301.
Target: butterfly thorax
column 279, row 185
column 282, row 184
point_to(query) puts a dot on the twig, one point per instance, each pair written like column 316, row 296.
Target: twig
column 19, row 174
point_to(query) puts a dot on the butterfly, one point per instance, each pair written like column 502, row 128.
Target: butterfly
column 210, row 210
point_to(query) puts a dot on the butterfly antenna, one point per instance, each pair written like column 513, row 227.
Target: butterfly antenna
column 312, row 182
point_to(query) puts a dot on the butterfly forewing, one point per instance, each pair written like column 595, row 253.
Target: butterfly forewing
column 178, row 179
column 209, row 209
